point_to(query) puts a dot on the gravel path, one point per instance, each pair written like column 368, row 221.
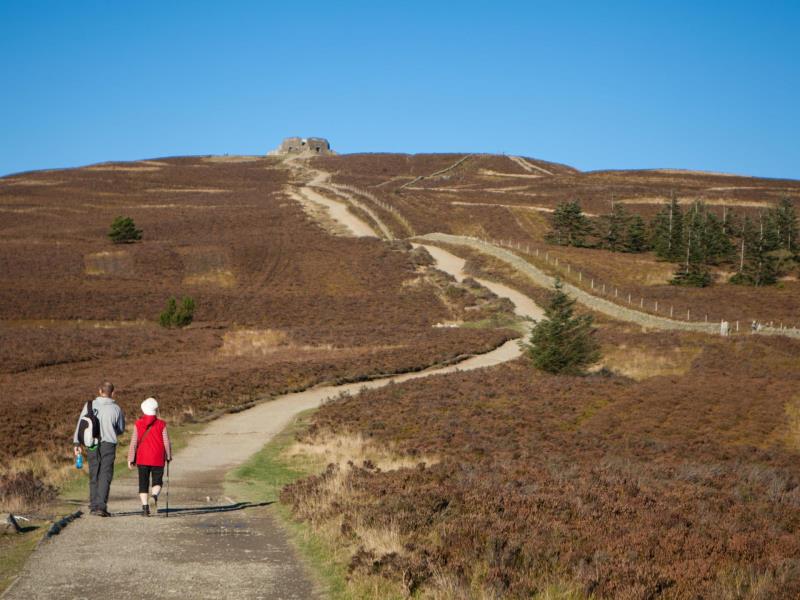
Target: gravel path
column 599, row 304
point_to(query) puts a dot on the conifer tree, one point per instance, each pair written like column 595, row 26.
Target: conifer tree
column 667, row 232
column 570, row 227
column 785, row 219
column 769, row 230
column 123, row 231
column 757, row 266
column 636, row 235
column 717, row 245
column 562, row 342
column 614, row 228
column 676, row 245
column 730, row 222
column 177, row 316
column 693, row 271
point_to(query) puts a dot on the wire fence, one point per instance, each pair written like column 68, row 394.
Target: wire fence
column 380, row 203
column 651, row 306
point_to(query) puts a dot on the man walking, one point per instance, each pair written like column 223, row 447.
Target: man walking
column 101, row 456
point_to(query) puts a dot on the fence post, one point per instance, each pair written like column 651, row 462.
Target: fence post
column 556, row 261
column 580, row 275
column 568, row 268
column 641, row 302
column 592, row 283
column 687, row 314
column 616, row 293
column 737, row 326
column 604, row 288
column 656, row 305
column 670, row 311
column 629, row 298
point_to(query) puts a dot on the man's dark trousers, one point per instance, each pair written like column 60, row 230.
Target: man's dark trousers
column 101, row 472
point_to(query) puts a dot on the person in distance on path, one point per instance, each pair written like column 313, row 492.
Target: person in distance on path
column 101, row 456
column 150, row 450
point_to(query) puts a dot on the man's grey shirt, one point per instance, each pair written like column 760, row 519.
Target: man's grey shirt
column 112, row 420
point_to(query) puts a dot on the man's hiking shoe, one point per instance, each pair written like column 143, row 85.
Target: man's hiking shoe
column 99, row 512
column 145, row 511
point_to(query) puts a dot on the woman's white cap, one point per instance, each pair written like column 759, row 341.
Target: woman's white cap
column 150, row 406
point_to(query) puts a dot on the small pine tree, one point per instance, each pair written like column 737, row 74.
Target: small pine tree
column 757, row 265
column 636, row 235
column 614, row 226
column 167, row 318
column 562, row 342
column 570, row 227
column 174, row 316
column 785, row 223
column 123, row 231
column 717, row 243
column 667, row 232
column 693, row 271
column 677, row 245
column 185, row 313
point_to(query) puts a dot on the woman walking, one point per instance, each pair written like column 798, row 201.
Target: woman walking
column 150, row 450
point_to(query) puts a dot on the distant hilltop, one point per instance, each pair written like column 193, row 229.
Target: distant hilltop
column 298, row 145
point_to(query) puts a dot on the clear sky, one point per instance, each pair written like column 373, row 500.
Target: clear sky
column 709, row 85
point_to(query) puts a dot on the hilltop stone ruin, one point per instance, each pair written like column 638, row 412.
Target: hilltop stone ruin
column 298, row 145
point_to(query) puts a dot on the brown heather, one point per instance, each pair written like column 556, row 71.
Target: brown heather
column 75, row 309
column 672, row 487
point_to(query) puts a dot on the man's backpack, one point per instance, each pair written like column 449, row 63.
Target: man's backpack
column 89, row 428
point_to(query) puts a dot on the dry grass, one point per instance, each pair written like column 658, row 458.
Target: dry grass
column 189, row 190
column 253, row 342
column 41, row 474
column 659, row 200
column 118, row 262
column 342, row 449
column 641, row 362
column 234, row 158
column 208, row 265
column 126, row 168
column 222, row 278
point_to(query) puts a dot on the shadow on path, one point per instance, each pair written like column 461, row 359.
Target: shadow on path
column 196, row 510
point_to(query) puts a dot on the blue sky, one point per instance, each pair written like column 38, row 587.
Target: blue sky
column 711, row 85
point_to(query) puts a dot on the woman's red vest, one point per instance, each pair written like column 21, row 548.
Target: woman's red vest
column 150, row 451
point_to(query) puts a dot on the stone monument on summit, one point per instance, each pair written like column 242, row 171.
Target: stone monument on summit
column 298, row 145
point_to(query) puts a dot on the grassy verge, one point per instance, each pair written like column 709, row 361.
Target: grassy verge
column 517, row 324
column 261, row 479
column 15, row 548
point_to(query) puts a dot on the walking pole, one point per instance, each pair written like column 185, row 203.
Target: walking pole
column 167, row 513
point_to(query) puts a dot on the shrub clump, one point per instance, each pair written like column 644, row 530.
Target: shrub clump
column 123, row 231
column 562, row 342
column 24, row 490
column 177, row 316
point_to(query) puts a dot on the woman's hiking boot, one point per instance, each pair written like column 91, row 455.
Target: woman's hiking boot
column 155, row 504
column 145, row 510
